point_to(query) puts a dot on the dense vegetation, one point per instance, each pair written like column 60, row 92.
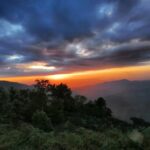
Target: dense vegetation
column 49, row 117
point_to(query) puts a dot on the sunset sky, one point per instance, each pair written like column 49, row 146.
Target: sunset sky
column 78, row 42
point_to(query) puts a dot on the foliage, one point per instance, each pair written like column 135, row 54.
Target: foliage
column 29, row 138
column 41, row 121
column 139, row 122
column 50, row 117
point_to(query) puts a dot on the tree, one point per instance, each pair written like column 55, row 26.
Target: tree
column 100, row 102
column 41, row 121
column 102, row 110
column 3, row 101
column 15, row 106
column 61, row 91
column 56, row 111
column 97, row 108
column 43, row 85
column 38, row 100
column 39, row 95
column 79, row 102
column 139, row 122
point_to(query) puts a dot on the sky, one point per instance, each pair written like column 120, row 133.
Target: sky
column 79, row 42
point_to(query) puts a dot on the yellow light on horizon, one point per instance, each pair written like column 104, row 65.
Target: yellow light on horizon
column 58, row 76
column 100, row 72
column 42, row 67
column 89, row 77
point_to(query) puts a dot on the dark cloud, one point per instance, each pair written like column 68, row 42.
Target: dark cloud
column 75, row 34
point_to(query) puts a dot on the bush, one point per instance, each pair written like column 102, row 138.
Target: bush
column 42, row 121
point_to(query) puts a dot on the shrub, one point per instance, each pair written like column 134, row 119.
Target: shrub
column 41, row 121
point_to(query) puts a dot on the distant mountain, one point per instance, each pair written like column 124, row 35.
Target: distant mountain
column 125, row 98
column 6, row 84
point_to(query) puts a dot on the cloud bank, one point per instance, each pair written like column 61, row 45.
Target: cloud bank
column 51, row 36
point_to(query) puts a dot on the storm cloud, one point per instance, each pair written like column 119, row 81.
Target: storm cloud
column 65, row 35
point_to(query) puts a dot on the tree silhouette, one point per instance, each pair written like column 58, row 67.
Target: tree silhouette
column 42, row 121
column 46, row 105
column 61, row 91
column 139, row 122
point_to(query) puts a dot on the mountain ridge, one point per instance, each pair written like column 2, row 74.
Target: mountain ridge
column 8, row 84
column 124, row 97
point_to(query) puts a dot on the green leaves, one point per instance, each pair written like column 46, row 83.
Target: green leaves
column 41, row 121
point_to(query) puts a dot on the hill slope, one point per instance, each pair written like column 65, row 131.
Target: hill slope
column 125, row 98
column 6, row 84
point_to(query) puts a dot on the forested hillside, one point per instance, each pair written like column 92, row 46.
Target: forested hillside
column 125, row 98
column 49, row 117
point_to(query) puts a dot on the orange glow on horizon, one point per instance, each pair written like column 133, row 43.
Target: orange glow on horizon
column 83, row 78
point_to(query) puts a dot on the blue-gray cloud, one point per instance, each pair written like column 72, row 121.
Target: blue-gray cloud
column 75, row 34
